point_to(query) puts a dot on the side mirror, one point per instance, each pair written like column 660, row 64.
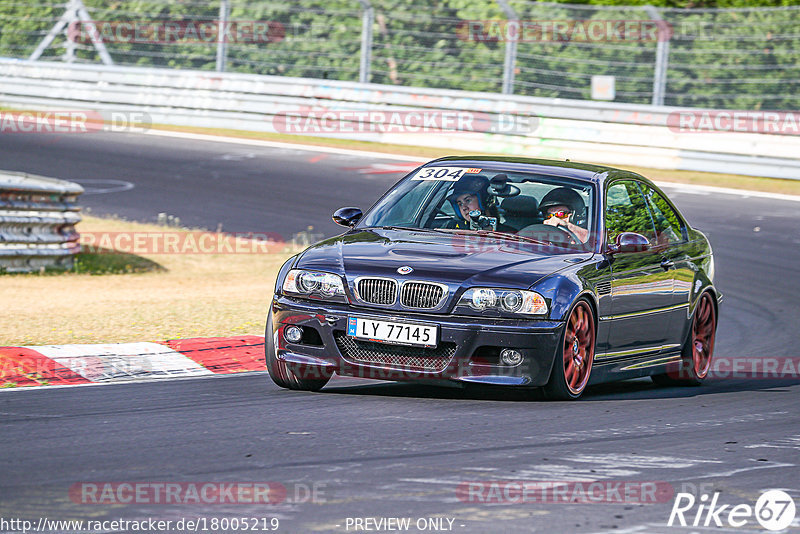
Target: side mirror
column 629, row 242
column 347, row 217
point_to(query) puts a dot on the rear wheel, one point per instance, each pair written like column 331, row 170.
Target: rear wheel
column 697, row 349
column 574, row 359
column 280, row 372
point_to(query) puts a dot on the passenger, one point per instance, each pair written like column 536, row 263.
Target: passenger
column 564, row 208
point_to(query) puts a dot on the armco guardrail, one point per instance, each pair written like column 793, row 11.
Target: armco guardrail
column 618, row 134
column 37, row 222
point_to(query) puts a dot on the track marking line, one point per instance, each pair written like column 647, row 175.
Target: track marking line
column 723, row 474
column 130, row 382
column 277, row 144
column 687, row 188
column 318, row 158
column 692, row 189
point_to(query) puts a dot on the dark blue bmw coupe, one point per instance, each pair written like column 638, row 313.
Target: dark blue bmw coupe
column 501, row 271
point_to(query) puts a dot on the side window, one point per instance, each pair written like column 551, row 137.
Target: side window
column 669, row 228
column 406, row 208
column 438, row 212
column 447, row 208
column 626, row 211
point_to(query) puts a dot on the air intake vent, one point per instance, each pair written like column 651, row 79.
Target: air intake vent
column 394, row 356
column 421, row 295
column 604, row 287
column 382, row 291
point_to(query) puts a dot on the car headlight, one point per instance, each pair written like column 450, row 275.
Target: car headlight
column 502, row 301
column 315, row 285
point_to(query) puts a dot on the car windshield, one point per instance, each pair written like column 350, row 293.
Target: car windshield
column 501, row 204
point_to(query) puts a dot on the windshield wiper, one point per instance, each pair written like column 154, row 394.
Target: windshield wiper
column 464, row 231
column 398, row 228
column 490, row 233
column 513, row 237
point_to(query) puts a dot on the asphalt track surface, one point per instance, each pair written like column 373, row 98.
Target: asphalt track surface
column 397, row 450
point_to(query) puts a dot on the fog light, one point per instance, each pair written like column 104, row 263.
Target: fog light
column 293, row 334
column 510, row 357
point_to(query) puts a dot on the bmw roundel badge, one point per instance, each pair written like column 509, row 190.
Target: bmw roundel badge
column 405, row 269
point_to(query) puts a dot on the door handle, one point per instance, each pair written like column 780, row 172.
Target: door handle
column 667, row 264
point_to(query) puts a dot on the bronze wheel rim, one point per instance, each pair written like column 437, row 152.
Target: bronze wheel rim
column 703, row 329
column 578, row 354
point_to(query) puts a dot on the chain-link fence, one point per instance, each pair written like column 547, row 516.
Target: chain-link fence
column 715, row 58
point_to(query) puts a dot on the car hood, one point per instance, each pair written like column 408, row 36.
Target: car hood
column 455, row 259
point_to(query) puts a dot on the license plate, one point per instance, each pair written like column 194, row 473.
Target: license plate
column 389, row 332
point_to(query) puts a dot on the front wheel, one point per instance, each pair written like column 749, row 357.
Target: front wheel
column 280, row 372
column 574, row 359
column 697, row 349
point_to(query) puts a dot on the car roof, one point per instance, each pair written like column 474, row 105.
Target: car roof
column 566, row 169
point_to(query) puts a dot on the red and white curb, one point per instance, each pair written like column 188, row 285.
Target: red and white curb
column 60, row 365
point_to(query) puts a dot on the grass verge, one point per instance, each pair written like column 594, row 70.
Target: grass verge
column 109, row 261
column 118, row 297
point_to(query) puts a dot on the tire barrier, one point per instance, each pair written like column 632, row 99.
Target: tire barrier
column 37, row 222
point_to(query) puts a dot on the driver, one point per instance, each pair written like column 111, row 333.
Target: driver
column 472, row 193
column 563, row 207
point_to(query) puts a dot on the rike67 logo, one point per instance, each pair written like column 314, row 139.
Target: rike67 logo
column 774, row 510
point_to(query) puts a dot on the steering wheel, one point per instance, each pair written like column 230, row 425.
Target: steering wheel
column 544, row 232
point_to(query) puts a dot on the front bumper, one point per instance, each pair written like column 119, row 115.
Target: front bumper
column 466, row 352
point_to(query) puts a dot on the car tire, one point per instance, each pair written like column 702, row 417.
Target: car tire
column 280, row 372
column 572, row 366
column 698, row 348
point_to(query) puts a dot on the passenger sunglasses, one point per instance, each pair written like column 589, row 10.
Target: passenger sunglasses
column 559, row 214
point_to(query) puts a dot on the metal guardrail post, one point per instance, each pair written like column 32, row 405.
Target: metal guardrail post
column 69, row 16
column 222, row 45
column 510, row 57
column 367, row 19
column 37, row 222
column 105, row 57
column 75, row 12
column 69, row 45
column 662, row 58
